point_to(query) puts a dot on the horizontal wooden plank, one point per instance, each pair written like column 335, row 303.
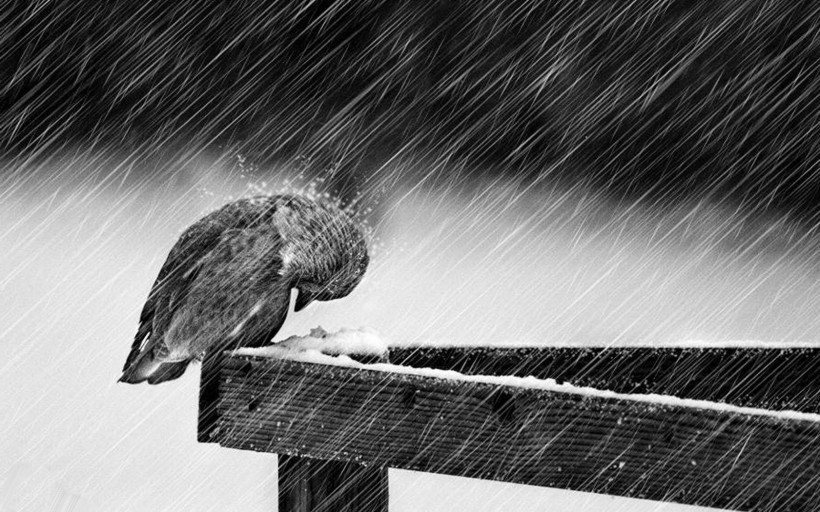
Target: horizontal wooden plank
column 604, row 445
column 772, row 378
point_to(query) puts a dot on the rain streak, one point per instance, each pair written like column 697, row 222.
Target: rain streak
column 538, row 173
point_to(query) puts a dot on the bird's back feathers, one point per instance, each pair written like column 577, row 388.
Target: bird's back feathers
column 170, row 290
column 225, row 283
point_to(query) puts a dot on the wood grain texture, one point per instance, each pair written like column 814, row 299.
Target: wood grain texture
column 620, row 447
column 314, row 485
column 773, row 378
column 208, row 396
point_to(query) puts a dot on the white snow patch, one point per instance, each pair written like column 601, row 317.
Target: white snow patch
column 321, row 347
column 696, row 344
column 316, row 348
column 531, row 382
column 747, row 344
column 362, row 341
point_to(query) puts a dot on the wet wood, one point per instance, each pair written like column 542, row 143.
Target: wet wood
column 314, row 485
column 774, row 378
column 208, row 397
column 604, row 445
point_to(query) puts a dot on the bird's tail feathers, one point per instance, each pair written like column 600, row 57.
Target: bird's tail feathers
column 141, row 369
column 139, row 344
column 148, row 367
column 168, row 371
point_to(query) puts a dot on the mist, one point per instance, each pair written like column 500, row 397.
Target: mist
column 566, row 173
column 490, row 262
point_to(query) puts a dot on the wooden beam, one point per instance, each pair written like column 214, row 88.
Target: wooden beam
column 208, row 417
column 313, row 485
column 604, row 445
column 207, row 420
column 773, row 378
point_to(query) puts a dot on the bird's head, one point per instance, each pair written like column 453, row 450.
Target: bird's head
column 325, row 254
column 338, row 286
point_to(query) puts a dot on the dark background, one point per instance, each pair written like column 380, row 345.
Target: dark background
column 649, row 101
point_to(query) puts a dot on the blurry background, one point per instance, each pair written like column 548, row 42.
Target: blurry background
column 539, row 173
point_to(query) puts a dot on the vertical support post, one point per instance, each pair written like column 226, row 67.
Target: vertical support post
column 315, row 485
column 208, row 396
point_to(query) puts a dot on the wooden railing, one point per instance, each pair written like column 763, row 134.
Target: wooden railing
column 338, row 428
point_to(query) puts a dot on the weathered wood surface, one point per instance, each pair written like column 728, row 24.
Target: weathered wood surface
column 774, row 378
column 208, row 397
column 602, row 445
column 314, row 485
column 208, row 416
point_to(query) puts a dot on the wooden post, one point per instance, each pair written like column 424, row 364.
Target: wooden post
column 314, row 485
column 317, row 485
column 208, row 397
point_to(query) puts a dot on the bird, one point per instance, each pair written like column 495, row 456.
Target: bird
column 227, row 281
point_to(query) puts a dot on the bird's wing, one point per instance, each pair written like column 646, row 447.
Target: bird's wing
column 169, row 291
column 182, row 266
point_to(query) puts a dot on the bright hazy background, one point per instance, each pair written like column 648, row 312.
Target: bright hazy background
column 82, row 239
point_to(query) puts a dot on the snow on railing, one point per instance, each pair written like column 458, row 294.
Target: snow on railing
column 339, row 416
